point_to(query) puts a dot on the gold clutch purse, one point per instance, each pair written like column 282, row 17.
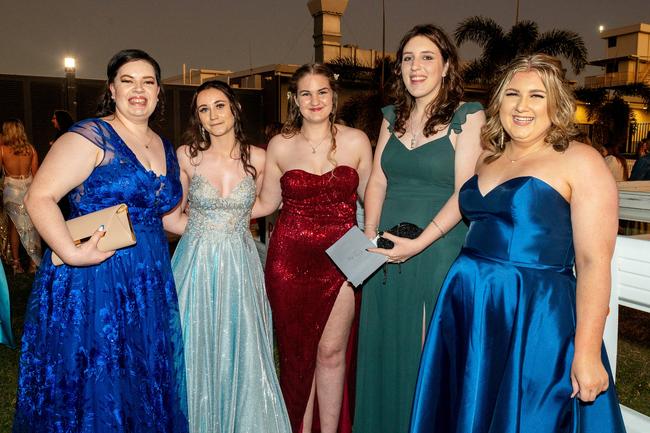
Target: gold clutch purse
column 116, row 222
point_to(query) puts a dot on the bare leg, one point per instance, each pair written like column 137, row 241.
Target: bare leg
column 330, row 363
column 14, row 242
column 308, row 418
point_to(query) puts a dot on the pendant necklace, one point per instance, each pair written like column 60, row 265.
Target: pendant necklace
column 309, row 142
column 147, row 144
column 414, row 135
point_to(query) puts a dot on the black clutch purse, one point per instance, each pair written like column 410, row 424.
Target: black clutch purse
column 403, row 230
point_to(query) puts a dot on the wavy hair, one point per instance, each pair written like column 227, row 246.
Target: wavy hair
column 14, row 136
column 198, row 140
column 106, row 105
column 441, row 109
column 561, row 105
column 293, row 123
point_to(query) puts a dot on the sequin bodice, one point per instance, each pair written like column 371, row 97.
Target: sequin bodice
column 210, row 211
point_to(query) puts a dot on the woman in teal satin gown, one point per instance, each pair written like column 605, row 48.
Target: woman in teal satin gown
column 515, row 343
column 225, row 315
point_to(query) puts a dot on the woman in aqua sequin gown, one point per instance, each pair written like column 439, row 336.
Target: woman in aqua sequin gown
column 515, row 342
column 232, row 385
column 102, row 349
column 316, row 168
column 428, row 146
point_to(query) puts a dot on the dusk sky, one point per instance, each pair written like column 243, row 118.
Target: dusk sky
column 235, row 34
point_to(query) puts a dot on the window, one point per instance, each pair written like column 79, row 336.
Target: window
column 611, row 42
column 611, row 68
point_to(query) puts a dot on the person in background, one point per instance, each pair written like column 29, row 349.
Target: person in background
column 19, row 163
column 428, row 145
column 616, row 162
column 102, row 349
column 516, row 339
column 641, row 168
column 62, row 121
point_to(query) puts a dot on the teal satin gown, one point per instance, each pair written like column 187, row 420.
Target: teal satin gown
column 6, row 336
column 500, row 346
column 225, row 316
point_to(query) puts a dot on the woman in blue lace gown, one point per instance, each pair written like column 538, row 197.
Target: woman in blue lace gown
column 515, row 343
column 102, row 346
column 227, row 328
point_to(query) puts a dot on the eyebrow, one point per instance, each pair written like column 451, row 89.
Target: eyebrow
column 318, row 90
column 421, row 52
column 212, row 102
column 144, row 78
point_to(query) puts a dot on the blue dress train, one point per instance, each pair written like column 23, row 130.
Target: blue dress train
column 102, row 349
column 500, row 346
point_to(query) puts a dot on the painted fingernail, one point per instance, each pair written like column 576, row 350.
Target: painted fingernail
column 101, row 228
column 380, row 233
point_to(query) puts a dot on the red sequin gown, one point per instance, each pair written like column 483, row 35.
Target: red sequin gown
column 302, row 282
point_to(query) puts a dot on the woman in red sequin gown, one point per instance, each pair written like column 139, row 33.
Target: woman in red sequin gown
column 316, row 169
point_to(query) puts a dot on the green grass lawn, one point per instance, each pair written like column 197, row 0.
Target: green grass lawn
column 633, row 377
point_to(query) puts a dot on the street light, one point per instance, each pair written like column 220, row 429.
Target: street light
column 601, row 28
column 70, row 94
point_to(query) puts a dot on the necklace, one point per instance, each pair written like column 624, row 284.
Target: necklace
column 414, row 135
column 524, row 155
column 309, row 142
column 147, row 144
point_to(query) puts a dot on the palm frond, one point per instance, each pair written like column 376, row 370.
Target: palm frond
column 478, row 29
column 522, row 38
column 564, row 43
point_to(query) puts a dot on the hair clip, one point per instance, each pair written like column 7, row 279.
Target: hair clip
column 336, row 77
column 288, row 95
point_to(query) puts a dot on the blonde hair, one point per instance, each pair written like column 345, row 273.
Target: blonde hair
column 561, row 104
column 14, row 136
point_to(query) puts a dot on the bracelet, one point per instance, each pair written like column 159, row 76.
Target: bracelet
column 442, row 233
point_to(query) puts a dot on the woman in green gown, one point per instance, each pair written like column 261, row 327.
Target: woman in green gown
column 428, row 147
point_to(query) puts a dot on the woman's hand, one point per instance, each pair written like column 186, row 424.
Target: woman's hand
column 403, row 250
column 588, row 378
column 87, row 254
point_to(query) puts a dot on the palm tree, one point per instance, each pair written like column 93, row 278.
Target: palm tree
column 499, row 47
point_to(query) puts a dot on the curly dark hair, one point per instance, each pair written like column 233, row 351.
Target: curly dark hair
column 441, row 109
column 106, row 105
column 294, row 119
column 198, row 141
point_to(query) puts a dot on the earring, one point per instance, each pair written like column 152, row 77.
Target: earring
column 203, row 136
column 501, row 140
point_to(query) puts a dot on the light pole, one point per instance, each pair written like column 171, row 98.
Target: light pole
column 70, row 67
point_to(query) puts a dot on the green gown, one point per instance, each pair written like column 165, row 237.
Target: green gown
column 397, row 301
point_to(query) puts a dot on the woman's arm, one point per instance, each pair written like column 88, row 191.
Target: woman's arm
column 69, row 162
column 269, row 196
column 175, row 221
column 364, row 167
column 594, row 219
column 376, row 186
column 467, row 150
column 34, row 163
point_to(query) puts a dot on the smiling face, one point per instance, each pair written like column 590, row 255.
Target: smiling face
column 314, row 97
column 524, row 109
column 214, row 112
column 135, row 90
column 422, row 67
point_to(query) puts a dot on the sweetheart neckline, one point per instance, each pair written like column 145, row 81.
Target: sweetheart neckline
column 322, row 174
column 507, row 181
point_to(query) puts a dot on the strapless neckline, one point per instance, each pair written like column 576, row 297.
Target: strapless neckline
column 515, row 179
column 300, row 170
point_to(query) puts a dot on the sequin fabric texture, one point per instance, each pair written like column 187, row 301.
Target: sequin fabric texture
column 102, row 347
column 302, row 282
column 226, row 318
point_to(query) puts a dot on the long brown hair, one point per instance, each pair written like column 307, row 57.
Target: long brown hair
column 294, row 119
column 441, row 109
column 14, row 137
column 198, row 140
column 561, row 105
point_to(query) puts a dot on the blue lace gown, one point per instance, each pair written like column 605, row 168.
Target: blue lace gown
column 499, row 350
column 226, row 318
column 102, row 347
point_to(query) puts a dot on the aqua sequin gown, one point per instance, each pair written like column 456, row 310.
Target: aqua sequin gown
column 102, row 349
column 500, row 346
column 226, row 318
